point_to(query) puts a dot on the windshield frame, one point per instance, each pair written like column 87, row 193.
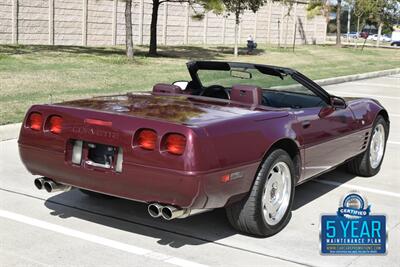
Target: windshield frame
column 195, row 66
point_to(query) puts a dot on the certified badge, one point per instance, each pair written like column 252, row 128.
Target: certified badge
column 353, row 230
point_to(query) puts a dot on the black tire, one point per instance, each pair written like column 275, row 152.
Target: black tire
column 246, row 215
column 95, row 194
column 361, row 165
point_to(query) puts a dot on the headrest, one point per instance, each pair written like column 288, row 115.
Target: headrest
column 163, row 88
column 248, row 94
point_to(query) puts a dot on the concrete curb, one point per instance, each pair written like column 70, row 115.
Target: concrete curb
column 11, row 131
column 356, row 77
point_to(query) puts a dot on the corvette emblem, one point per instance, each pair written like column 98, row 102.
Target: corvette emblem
column 95, row 132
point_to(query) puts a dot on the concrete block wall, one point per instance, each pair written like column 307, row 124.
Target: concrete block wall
column 6, row 21
column 102, row 23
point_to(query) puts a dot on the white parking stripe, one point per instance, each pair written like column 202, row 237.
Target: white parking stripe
column 361, row 188
column 364, row 95
column 97, row 239
column 375, row 84
column 394, row 142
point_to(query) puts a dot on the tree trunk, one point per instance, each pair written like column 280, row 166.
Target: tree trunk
column 287, row 30
column 379, row 34
column 338, row 23
column 358, row 30
column 153, row 29
column 237, row 21
column 128, row 29
column 348, row 24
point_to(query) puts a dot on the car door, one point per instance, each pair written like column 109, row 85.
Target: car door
column 327, row 132
column 327, row 137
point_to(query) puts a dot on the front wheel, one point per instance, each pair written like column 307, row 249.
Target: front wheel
column 369, row 163
column 267, row 209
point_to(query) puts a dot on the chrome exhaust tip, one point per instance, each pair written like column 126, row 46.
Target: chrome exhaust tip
column 39, row 183
column 154, row 210
column 170, row 212
column 52, row 186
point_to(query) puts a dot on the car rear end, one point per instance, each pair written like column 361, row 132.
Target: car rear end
column 141, row 159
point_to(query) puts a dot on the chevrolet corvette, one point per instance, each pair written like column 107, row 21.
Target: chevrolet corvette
column 238, row 136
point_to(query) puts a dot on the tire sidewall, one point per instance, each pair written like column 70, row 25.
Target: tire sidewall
column 378, row 120
column 275, row 157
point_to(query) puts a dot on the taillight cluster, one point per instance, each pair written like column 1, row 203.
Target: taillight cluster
column 34, row 121
column 53, row 123
column 173, row 143
column 147, row 139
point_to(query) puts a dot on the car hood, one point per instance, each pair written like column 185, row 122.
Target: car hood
column 183, row 109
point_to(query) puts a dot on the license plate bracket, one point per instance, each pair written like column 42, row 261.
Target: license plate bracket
column 96, row 156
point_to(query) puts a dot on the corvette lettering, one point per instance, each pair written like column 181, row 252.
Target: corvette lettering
column 95, row 132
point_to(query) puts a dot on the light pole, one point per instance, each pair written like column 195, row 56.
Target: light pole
column 348, row 23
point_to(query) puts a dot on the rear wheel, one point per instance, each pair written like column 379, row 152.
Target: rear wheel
column 267, row 209
column 369, row 163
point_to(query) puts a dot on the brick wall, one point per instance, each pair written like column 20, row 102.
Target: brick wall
column 102, row 22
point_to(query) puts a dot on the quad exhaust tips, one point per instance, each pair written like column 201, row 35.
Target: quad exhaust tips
column 154, row 210
column 168, row 212
column 39, row 183
column 49, row 185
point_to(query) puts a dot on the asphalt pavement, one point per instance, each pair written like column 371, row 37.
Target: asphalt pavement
column 70, row 228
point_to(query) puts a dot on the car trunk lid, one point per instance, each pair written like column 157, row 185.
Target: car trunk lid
column 186, row 110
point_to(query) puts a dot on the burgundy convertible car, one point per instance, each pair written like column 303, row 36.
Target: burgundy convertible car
column 237, row 135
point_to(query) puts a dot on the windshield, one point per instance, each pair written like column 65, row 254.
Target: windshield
column 250, row 76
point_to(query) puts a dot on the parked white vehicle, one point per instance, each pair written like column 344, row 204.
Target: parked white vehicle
column 395, row 38
column 384, row 38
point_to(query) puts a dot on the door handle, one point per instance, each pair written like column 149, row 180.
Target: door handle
column 306, row 124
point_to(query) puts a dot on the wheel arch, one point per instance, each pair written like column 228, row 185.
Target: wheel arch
column 384, row 114
column 291, row 147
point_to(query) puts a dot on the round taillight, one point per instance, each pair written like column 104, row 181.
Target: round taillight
column 35, row 121
column 147, row 139
column 55, row 124
column 175, row 143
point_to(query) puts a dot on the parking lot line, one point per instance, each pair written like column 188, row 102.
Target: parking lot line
column 97, row 239
column 393, row 142
column 361, row 188
column 375, row 84
column 365, row 95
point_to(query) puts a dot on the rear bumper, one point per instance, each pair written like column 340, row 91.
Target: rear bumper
column 195, row 190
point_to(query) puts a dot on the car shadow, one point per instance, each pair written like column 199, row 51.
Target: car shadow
column 132, row 217
column 306, row 192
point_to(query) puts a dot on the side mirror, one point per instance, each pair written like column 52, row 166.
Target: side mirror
column 181, row 84
column 338, row 102
column 326, row 111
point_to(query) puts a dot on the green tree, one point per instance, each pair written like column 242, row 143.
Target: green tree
column 319, row 7
column 289, row 4
column 384, row 12
column 214, row 5
column 237, row 8
column 360, row 9
column 128, row 29
column 338, row 23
